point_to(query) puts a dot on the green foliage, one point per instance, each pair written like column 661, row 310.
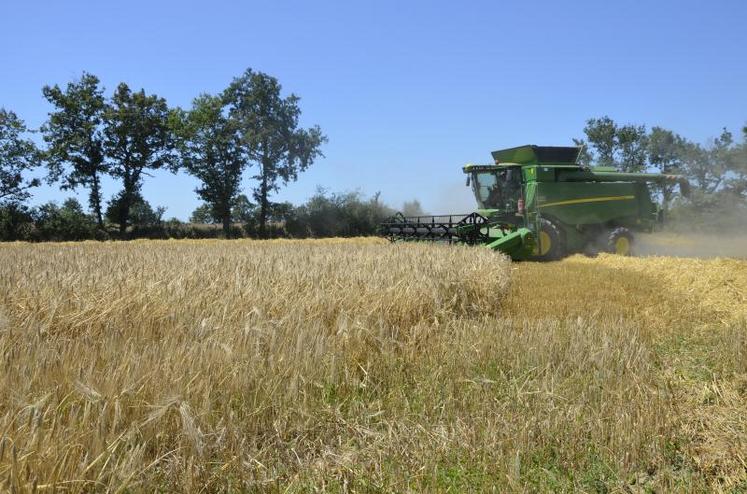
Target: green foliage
column 66, row 223
column 243, row 210
column 202, row 214
column 666, row 150
column 601, row 137
column 132, row 133
column 632, row 142
column 607, row 144
column 175, row 229
column 16, row 222
column 211, row 150
column 666, row 153
column 48, row 222
column 338, row 215
column 18, row 155
column 282, row 217
column 74, row 134
column 271, row 136
column 704, row 167
column 139, row 138
column 139, row 212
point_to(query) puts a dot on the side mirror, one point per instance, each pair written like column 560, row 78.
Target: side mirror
column 467, row 184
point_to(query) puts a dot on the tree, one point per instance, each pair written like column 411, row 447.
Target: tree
column 243, row 210
column 202, row 214
column 337, row 215
column 601, row 137
column 723, row 156
column 270, row 135
column 211, row 149
column 607, row 144
column 66, row 223
column 138, row 139
column 18, row 156
column 632, row 143
column 16, row 222
column 139, row 211
column 75, row 137
column 666, row 152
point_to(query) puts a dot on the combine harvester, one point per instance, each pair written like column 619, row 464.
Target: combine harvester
column 537, row 202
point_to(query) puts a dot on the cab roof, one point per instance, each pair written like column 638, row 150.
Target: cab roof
column 538, row 155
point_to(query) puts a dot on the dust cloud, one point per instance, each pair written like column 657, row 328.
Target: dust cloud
column 716, row 232
column 453, row 198
column 705, row 245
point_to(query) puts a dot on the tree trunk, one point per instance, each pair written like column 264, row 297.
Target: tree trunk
column 124, row 213
column 263, row 205
column 130, row 183
column 94, row 201
column 227, row 225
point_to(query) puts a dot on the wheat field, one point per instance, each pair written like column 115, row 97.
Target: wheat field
column 360, row 366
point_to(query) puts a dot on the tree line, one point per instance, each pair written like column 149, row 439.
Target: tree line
column 250, row 126
column 129, row 134
column 325, row 214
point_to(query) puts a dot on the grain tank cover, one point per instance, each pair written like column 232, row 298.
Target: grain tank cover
column 538, row 155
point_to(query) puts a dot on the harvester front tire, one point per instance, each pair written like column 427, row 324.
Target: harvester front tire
column 550, row 242
column 620, row 242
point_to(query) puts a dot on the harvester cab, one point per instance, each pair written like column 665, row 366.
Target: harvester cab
column 537, row 202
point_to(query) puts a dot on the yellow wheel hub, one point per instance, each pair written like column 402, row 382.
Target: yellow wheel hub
column 622, row 246
column 544, row 243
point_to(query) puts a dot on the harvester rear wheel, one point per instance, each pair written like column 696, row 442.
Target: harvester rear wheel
column 550, row 245
column 620, row 242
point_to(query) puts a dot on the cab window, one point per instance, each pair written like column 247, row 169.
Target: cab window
column 497, row 189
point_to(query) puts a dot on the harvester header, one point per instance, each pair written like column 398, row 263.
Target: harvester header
column 538, row 202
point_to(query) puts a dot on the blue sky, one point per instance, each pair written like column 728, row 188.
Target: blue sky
column 407, row 92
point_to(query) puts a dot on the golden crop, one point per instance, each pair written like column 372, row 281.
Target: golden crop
column 362, row 366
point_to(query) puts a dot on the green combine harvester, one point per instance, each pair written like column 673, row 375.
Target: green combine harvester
column 537, row 202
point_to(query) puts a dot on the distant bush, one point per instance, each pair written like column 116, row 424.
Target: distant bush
column 177, row 230
column 337, row 215
column 68, row 222
column 325, row 214
column 142, row 214
column 16, row 222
